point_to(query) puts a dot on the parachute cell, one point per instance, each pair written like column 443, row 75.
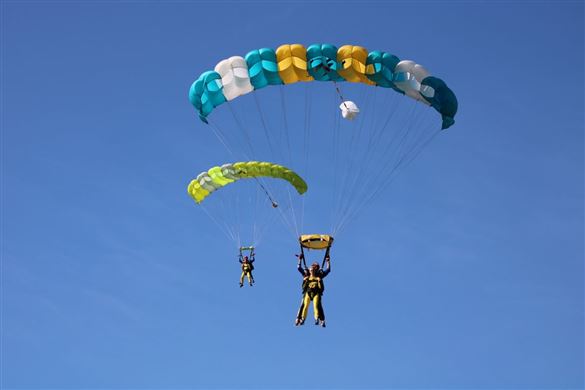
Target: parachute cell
column 381, row 66
column 353, row 61
column 263, row 68
column 322, row 62
column 234, row 77
column 292, row 63
column 408, row 78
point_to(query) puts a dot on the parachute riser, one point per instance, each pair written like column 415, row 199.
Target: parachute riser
column 324, row 257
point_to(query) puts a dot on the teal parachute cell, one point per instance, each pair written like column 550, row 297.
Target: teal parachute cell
column 206, row 93
column 263, row 68
column 382, row 67
column 322, row 62
column 441, row 98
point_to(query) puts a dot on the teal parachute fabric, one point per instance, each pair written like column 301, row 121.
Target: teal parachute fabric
column 206, row 93
column 322, row 62
column 383, row 65
column 263, row 68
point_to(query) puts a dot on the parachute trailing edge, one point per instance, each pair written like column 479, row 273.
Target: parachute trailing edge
column 292, row 63
column 219, row 176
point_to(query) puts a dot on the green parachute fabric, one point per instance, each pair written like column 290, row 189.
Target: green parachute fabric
column 220, row 176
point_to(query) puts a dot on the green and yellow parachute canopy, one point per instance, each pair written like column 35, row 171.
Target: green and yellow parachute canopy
column 219, row 176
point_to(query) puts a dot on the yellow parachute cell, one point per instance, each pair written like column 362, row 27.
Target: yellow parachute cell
column 353, row 60
column 292, row 63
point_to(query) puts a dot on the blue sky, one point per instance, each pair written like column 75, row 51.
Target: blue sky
column 467, row 271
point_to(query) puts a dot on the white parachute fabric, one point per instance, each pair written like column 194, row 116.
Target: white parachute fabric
column 408, row 77
column 206, row 182
column 234, row 77
column 349, row 110
column 227, row 170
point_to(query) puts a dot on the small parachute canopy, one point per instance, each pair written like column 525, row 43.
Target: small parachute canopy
column 217, row 177
column 349, row 110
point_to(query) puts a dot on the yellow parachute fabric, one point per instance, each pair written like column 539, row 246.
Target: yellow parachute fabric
column 353, row 60
column 217, row 177
column 316, row 241
column 292, row 63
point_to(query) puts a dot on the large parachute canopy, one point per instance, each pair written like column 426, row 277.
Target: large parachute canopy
column 288, row 64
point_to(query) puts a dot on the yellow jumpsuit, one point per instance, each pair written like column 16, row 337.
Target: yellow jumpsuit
column 313, row 288
column 246, row 271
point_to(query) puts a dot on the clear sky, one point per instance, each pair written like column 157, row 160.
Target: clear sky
column 467, row 272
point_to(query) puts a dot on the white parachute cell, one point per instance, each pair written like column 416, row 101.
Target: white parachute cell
column 408, row 76
column 206, row 182
column 234, row 77
column 349, row 110
column 228, row 171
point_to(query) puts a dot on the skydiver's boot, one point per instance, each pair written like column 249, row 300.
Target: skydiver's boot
column 323, row 324
column 316, row 321
column 241, row 285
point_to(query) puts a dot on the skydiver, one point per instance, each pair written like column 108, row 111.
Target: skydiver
column 313, row 288
column 247, row 268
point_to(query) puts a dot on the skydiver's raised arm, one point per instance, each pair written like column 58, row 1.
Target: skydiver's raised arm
column 299, row 267
column 327, row 267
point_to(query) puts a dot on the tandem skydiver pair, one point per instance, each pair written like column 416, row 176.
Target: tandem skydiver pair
column 313, row 286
